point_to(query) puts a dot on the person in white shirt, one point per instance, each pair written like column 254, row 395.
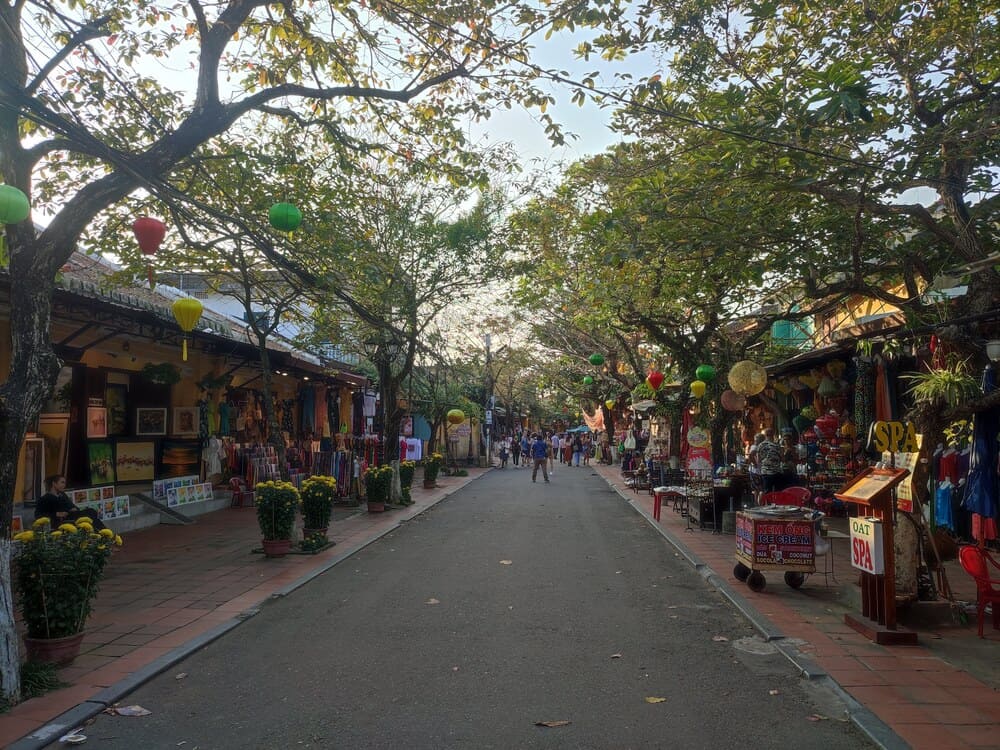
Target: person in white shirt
column 556, row 445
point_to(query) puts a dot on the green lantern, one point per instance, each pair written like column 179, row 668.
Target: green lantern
column 705, row 373
column 14, row 205
column 596, row 359
column 456, row 416
column 587, row 380
column 284, row 216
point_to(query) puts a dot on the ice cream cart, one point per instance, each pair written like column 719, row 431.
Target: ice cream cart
column 775, row 538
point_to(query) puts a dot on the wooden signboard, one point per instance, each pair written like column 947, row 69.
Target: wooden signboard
column 875, row 488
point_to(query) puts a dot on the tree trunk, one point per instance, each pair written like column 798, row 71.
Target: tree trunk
column 33, row 371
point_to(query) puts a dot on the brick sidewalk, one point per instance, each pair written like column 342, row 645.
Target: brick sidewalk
column 174, row 588
column 919, row 696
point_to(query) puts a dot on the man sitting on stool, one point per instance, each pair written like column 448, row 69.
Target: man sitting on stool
column 58, row 508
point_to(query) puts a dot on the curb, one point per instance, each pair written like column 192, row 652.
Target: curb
column 52, row 730
column 867, row 722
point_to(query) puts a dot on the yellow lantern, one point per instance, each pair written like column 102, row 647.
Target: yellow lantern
column 610, row 403
column 747, row 378
column 697, row 388
column 456, row 416
column 187, row 312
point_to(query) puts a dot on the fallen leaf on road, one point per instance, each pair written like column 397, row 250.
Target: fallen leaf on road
column 616, row 656
column 180, row 675
column 506, row 562
column 655, row 699
column 454, row 669
column 719, row 638
column 817, row 717
column 432, row 601
column 560, row 723
column 774, row 692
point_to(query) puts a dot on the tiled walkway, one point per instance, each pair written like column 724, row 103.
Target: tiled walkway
column 922, row 697
column 172, row 586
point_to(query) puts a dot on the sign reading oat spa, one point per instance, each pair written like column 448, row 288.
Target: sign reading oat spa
column 866, row 545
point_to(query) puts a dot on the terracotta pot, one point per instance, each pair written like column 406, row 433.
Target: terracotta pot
column 53, row 650
column 306, row 533
column 276, row 547
column 376, row 506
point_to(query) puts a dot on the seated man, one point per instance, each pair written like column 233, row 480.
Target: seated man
column 58, row 508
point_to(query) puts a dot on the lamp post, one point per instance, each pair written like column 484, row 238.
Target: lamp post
column 488, row 410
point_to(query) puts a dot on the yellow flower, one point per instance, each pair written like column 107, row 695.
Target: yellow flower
column 107, row 533
column 43, row 521
column 68, row 528
column 84, row 527
column 118, row 540
column 24, row 536
column 102, row 546
column 56, row 534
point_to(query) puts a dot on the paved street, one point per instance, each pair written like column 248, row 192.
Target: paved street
column 507, row 604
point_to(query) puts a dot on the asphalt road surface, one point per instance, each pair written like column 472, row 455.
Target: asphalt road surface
column 508, row 604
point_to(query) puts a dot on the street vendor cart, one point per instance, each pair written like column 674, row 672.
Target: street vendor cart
column 775, row 538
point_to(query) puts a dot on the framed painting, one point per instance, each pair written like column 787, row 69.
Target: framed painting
column 54, row 429
column 100, row 456
column 135, row 461
column 97, row 422
column 185, row 421
column 115, row 398
column 179, row 458
column 150, row 422
column 32, row 469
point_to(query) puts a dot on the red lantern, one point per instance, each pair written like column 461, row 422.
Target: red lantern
column 655, row 379
column 150, row 233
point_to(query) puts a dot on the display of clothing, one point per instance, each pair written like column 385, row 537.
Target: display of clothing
column 224, row 409
column 213, row 455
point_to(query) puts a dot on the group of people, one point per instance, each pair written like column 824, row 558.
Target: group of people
column 771, row 463
column 543, row 449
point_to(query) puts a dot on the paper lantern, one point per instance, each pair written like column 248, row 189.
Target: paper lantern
column 610, row 403
column 747, row 378
column 828, row 387
column 14, row 205
column 732, row 401
column 836, row 368
column 456, row 416
column 654, row 380
column 587, row 380
column 596, row 359
column 801, row 423
column 149, row 233
column 705, row 373
column 284, row 216
column 187, row 312
column 697, row 388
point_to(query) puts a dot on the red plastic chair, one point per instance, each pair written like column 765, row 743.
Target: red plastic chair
column 977, row 562
column 799, row 495
column 241, row 495
column 780, row 497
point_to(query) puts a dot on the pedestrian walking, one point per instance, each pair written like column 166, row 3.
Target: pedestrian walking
column 769, row 462
column 556, row 451
column 515, row 451
column 540, row 456
column 503, row 454
column 577, row 449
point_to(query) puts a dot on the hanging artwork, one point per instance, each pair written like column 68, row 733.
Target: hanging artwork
column 54, row 429
column 100, row 457
column 185, row 421
column 97, row 422
column 150, row 422
column 115, row 401
column 135, row 461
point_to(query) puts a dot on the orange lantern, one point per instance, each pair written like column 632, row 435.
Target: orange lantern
column 187, row 312
column 150, row 233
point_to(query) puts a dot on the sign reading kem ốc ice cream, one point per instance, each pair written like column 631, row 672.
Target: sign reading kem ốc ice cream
column 866, row 545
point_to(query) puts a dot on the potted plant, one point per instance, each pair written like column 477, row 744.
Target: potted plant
column 432, row 465
column 276, row 504
column 377, row 480
column 317, row 494
column 406, row 471
column 56, row 580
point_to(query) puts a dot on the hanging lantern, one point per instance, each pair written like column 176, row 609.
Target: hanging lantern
column 801, row 423
column 697, row 388
column 14, row 205
column 149, row 232
column 732, row 401
column 187, row 312
column 705, row 373
column 587, row 380
column 655, row 379
column 284, row 216
column 596, row 359
column 828, row 387
column 747, row 378
column 610, row 403
column 456, row 416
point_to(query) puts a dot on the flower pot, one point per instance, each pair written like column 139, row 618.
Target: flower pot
column 53, row 650
column 429, row 484
column 376, row 506
column 306, row 533
column 276, row 547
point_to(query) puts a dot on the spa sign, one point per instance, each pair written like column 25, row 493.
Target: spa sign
column 866, row 545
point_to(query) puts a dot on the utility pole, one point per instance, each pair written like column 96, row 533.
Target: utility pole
column 488, row 407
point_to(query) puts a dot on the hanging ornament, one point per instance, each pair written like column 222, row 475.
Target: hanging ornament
column 149, row 232
column 284, row 216
column 705, row 373
column 697, row 388
column 456, row 416
column 596, row 359
column 587, row 380
column 187, row 312
column 747, row 378
column 655, row 379
column 610, row 403
column 14, row 205
column 732, row 401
